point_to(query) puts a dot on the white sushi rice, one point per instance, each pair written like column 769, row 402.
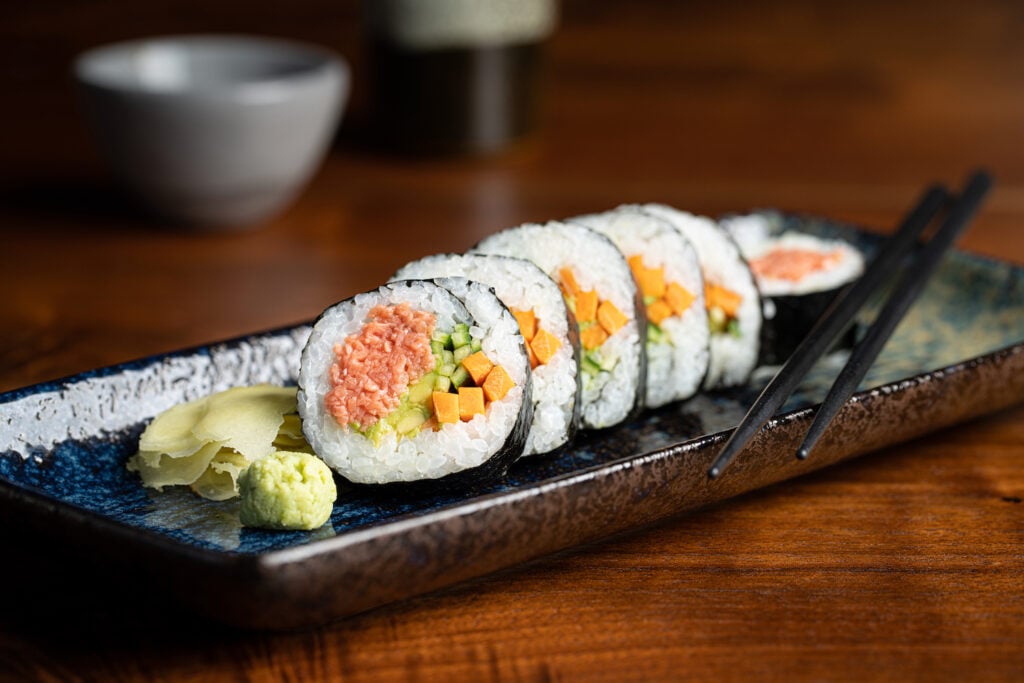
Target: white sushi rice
column 521, row 285
column 610, row 397
column 677, row 365
column 733, row 358
column 431, row 454
column 755, row 237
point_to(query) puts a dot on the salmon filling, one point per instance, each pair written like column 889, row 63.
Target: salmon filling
column 793, row 264
column 375, row 367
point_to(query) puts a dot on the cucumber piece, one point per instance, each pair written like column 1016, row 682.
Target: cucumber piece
column 376, row 431
column 461, row 352
column 447, row 357
column 442, row 383
column 436, row 347
column 447, row 369
column 648, row 300
column 733, row 328
column 419, row 393
column 412, row 419
column 590, row 366
column 460, row 335
column 443, row 337
column 475, row 345
column 655, row 335
column 717, row 319
column 460, row 376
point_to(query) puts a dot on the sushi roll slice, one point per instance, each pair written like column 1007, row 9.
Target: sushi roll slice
column 730, row 295
column 799, row 275
column 667, row 271
column 551, row 337
column 599, row 290
column 416, row 380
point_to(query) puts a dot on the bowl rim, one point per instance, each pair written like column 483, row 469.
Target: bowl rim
column 324, row 65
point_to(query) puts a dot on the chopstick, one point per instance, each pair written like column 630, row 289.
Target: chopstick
column 909, row 288
column 834, row 322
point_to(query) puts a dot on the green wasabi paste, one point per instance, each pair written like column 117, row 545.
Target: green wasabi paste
column 287, row 490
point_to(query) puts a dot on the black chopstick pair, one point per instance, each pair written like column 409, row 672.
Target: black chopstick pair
column 840, row 315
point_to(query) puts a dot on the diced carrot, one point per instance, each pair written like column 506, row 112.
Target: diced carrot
column 471, row 402
column 544, row 346
column 586, row 306
column 651, row 281
column 610, row 317
column 534, row 361
column 569, row 284
column 636, row 263
column 446, row 407
column 497, row 384
column 678, row 297
column 592, row 337
column 478, row 365
column 658, row 311
column 527, row 323
column 726, row 299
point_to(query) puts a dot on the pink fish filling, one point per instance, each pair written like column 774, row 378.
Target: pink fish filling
column 374, row 368
column 793, row 264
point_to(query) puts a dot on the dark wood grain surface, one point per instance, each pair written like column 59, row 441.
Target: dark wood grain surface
column 907, row 564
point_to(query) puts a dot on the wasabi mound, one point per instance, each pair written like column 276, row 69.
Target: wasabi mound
column 287, row 490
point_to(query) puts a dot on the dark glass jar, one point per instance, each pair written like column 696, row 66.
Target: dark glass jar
column 451, row 77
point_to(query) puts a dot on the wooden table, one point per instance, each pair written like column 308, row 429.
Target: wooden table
column 905, row 564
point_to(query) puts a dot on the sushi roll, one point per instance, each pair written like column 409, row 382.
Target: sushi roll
column 667, row 271
column 730, row 295
column 599, row 290
column 799, row 275
column 416, row 380
column 551, row 337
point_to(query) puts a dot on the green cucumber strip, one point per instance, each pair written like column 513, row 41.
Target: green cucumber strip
column 462, row 352
column 443, row 337
column 460, row 376
column 460, row 335
column 442, row 383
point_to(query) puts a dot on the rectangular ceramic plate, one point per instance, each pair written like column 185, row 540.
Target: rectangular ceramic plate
column 63, row 447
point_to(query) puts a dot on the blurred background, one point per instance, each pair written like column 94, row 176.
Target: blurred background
column 844, row 109
column 896, row 563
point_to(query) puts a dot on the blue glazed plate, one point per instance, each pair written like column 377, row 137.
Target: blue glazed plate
column 63, row 447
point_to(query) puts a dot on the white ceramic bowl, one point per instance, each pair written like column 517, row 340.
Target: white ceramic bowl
column 215, row 130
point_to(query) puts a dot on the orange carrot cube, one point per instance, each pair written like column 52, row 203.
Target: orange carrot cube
column 586, row 306
column 592, row 337
column 569, row 284
column 471, row 402
column 652, row 282
column 527, row 323
column 497, row 384
column 658, row 311
column 477, row 365
column 636, row 264
column 544, row 346
column 534, row 361
column 678, row 297
column 446, row 407
column 610, row 317
column 721, row 297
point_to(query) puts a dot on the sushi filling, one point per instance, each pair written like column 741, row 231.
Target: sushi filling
column 598, row 320
column 793, row 264
column 723, row 306
column 399, row 374
column 541, row 345
column 662, row 300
